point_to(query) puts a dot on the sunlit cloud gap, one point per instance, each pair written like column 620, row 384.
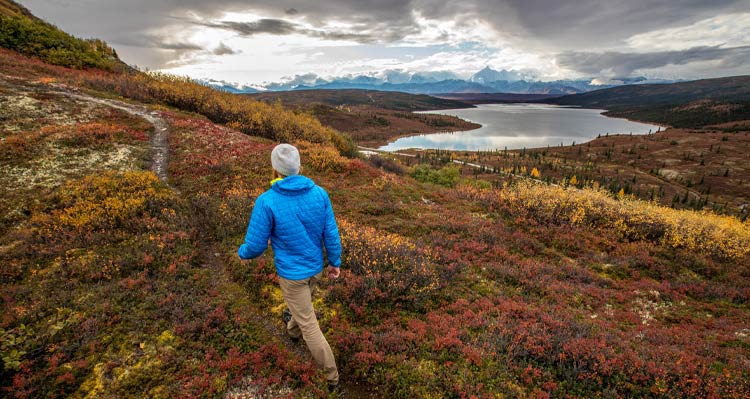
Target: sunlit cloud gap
column 259, row 42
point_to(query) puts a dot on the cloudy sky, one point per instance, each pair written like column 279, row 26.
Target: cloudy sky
column 250, row 42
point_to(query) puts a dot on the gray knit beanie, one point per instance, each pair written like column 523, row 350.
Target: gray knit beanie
column 285, row 159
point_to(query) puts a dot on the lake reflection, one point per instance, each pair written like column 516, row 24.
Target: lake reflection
column 516, row 126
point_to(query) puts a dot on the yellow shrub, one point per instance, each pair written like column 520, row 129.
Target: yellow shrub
column 722, row 236
column 321, row 158
column 108, row 200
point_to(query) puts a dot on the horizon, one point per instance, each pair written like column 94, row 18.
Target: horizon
column 255, row 43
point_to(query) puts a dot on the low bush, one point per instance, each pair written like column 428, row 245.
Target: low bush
column 98, row 134
column 448, row 176
column 320, row 158
column 716, row 235
column 386, row 270
column 387, row 164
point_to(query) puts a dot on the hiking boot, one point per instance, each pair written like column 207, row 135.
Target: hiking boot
column 286, row 315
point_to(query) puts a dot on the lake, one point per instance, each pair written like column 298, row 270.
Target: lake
column 518, row 126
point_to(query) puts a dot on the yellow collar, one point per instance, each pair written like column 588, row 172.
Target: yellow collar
column 276, row 179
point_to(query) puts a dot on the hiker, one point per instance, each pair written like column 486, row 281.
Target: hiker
column 297, row 216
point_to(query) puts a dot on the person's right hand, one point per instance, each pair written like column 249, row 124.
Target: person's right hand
column 333, row 272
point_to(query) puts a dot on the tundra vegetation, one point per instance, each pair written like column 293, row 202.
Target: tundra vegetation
column 116, row 284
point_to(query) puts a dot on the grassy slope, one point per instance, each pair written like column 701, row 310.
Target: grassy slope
column 135, row 303
column 11, row 8
column 445, row 292
column 23, row 32
column 686, row 104
column 523, row 292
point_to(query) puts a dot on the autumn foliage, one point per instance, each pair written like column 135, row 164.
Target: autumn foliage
column 252, row 117
column 383, row 268
column 117, row 284
column 721, row 236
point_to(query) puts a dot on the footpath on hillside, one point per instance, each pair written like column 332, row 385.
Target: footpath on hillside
column 160, row 139
column 210, row 252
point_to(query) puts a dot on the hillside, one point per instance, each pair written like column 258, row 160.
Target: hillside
column 678, row 168
column 686, row 104
column 125, row 197
column 23, row 32
column 372, row 118
column 12, row 9
column 351, row 97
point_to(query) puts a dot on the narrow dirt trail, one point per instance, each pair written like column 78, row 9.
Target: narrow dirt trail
column 159, row 140
column 210, row 252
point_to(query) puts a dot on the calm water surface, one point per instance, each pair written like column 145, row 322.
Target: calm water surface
column 517, row 126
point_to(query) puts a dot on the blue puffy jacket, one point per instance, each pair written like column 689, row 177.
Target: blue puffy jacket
column 297, row 216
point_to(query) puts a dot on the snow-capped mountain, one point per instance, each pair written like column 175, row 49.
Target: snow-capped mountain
column 487, row 80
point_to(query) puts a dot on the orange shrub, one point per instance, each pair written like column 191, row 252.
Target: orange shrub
column 101, row 227
column 386, row 268
column 20, row 146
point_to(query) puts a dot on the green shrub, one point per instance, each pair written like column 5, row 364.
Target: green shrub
column 447, row 176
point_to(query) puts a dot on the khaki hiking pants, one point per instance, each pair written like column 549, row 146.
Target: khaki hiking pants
column 298, row 297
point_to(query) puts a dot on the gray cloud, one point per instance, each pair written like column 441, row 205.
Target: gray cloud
column 539, row 26
column 115, row 20
column 624, row 64
column 568, row 25
column 281, row 27
column 157, row 42
column 543, row 24
column 271, row 26
column 176, row 46
column 223, row 49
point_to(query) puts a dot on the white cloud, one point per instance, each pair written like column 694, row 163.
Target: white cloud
column 732, row 29
column 275, row 38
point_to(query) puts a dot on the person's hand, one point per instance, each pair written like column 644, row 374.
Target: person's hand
column 333, row 272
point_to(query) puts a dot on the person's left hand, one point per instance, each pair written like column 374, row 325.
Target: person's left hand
column 333, row 272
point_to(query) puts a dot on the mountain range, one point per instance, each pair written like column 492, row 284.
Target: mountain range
column 486, row 80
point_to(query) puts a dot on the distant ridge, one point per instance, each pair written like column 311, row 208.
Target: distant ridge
column 351, row 97
column 561, row 87
column 494, row 98
column 734, row 88
column 453, row 86
column 685, row 104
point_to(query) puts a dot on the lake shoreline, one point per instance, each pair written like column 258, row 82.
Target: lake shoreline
column 522, row 125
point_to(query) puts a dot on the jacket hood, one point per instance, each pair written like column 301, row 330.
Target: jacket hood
column 293, row 185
